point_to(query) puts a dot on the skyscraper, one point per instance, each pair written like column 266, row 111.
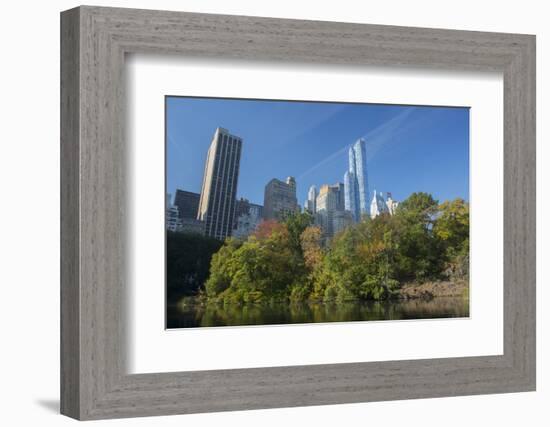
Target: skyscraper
column 280, row 198
column 247, row 218
column 330, row 213
column 356, row 181
column 188, row 207
column 350, row 193
column 173, row 220
column 219, row 185
column 311, row 199
column 187, row 203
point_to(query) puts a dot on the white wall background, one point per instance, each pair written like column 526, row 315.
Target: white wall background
column 29, row 224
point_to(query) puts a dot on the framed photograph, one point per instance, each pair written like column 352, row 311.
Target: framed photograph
column 262, row 213
column 240, row 248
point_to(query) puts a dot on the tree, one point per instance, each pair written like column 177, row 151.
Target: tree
column 360, row 261
column 453, row 224
column 421, row 204
column 453, row 229
column 368, row 260
column 296, row 223
column 266, row 228
column 310, row 241
column 259, row 270
column 221, row 269
column 419, row 253
column 313, row 255
column 188, row 259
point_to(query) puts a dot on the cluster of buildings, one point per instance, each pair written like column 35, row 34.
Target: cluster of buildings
column 217, row 212
column 337, row 206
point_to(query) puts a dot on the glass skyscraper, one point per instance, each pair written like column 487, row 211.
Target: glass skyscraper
column 356, row 181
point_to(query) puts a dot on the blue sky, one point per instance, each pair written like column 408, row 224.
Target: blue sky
column 409, row 148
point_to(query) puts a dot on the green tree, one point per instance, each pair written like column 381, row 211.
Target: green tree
column 419, row 254
column 259, row 270
column 452, row 228
column 421, row 204
column 453, row 224
column 296, row 223
column 360, row 261
column 221, row 268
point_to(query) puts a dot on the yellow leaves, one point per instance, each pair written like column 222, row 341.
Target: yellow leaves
column 370, row 250
column 442, row 234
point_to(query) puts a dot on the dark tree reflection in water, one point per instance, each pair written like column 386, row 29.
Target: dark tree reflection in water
column 196, row 315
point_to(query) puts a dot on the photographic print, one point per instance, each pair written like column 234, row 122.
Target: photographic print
column 284, row 212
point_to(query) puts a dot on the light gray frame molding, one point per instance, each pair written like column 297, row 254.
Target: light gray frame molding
column 94, row 41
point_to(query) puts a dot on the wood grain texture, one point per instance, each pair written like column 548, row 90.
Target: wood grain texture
column 95, row 40
column 70, row 315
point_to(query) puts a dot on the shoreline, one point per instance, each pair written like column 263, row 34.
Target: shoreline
column 408, row 291
column 439, row 289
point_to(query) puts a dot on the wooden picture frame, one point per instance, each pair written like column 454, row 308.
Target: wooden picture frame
column 94, row 382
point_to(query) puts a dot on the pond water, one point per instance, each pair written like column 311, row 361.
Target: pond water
column 193, row 316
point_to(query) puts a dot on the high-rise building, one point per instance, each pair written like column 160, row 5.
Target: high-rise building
column 187, row 203
column 340, row 221
column 350, row 195
column 356, row 181
column 244, row 207
column 173, row 221
column 241, row 207
column 280, row 198
column 330, row 210
column 378, row 205
column 310, row 204
column 247, row 218
column 219, row 185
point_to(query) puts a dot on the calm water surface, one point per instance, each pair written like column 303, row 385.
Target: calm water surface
column 192, row 316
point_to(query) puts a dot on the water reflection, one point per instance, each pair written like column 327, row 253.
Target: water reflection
column 192, row 316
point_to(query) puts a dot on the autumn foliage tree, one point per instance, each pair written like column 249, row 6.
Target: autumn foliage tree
column 267, row 228
column 287, row 260
column 266, row 267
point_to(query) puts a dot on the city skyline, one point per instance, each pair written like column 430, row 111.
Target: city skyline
column 408, row 148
